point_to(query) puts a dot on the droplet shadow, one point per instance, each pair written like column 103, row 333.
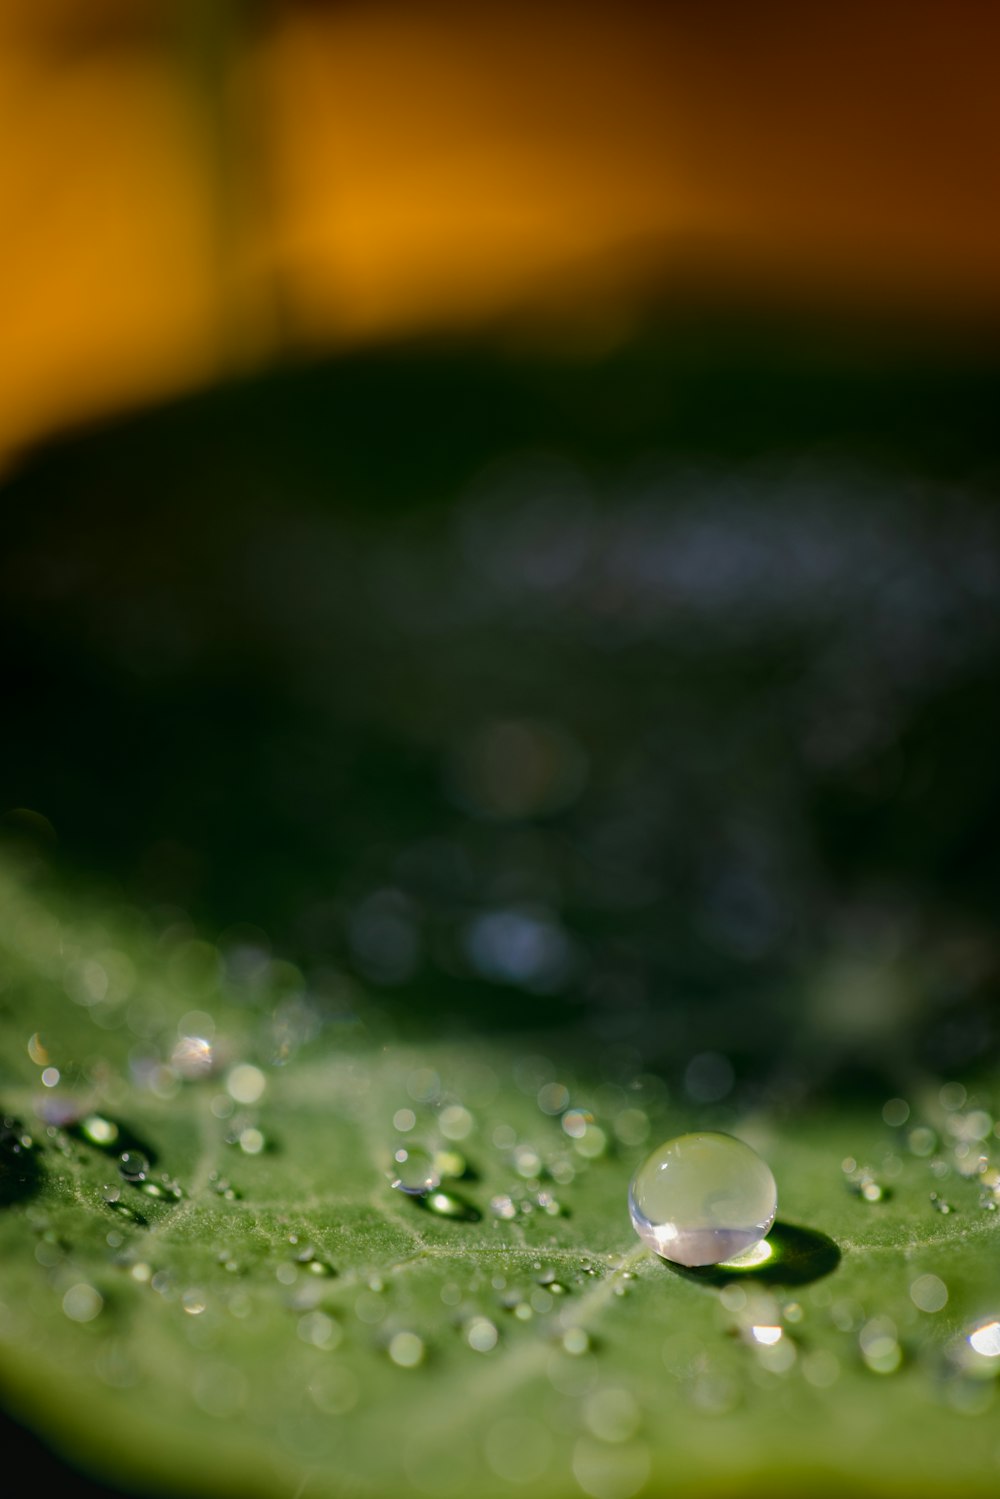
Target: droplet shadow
column 125, row 1139
column 442, row 1204
column 20, row 1173
column 798, row 1257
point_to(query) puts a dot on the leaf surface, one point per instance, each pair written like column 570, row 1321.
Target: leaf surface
column 292, row 1325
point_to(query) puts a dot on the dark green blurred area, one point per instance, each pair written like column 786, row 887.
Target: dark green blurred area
column 651, row 703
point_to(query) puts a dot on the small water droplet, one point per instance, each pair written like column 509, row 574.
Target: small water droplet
column 612, row 1415
column 111, row 1193
column 527, row 1161
column 251, row 1141
column 133, row 1165
column 455, row 1122
column 929, row 1293
column 404, row 1120
column 246, row 1083
column 193, row 1057
column 939, row 1205
column 553, row 1098
column 406, row 1349
column 575, row 1122
column 319, row 1330
column 82, row 1302
column 14, row 1138
column 481, row 1334
column 952, row 1096
column 922, row 1141
column 879, row 1346
column 414, row 1171
column 631, row 1126
column 503, row 1206
column 38, row 1051
column 702, row 1198
column 575, row 1341
column 895, row 1112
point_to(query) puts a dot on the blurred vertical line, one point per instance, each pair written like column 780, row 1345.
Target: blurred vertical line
column 224, row 59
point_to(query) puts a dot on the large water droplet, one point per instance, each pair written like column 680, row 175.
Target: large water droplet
column 414, row 1171
column 702, row 1198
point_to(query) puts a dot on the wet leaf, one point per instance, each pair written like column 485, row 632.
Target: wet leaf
column 259, row 1311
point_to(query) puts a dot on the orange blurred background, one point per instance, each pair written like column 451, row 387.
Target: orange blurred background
column 192, row 189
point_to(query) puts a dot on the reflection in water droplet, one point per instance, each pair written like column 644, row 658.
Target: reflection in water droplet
column 133, row 1165
column 702, row 1198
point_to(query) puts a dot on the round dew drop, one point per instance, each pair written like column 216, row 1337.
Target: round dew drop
column 702, row 1198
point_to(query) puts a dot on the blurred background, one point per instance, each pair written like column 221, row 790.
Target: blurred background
column 500, row 512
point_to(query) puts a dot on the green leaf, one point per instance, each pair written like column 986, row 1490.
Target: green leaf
column 292, row 1325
